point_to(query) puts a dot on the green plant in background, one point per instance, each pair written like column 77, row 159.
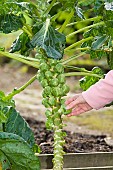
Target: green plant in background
column 43, row 35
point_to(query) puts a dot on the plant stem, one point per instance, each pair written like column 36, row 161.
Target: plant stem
column 16, row 91
column 66, row 21
column 72, row 58
column 86, row 20
column 35, row 9
column 29, row 58
column 1, row 127
column 78, row 43
column 18, row 57
column 53, row 18
column 58, row 149
column 77, row 69
column 27, row 31
column 78, row 49
column 85, row 48
column 50, row 7
column 82, row 29
column 81, row 74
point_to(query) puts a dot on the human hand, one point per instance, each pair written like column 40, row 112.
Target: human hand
column 78, row 105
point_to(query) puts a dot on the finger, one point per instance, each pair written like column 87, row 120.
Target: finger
column 85, row 106
column 81, row 108
column 73, row 104
column 76, row 112
column 68, row 101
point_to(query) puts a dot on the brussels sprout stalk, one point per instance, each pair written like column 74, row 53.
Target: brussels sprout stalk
column 58, row 147
column 52, row 79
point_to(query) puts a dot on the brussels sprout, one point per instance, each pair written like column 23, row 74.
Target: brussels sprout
column 54, row 82
column 65, row 89
column 40, row 76
column 57, row 121
column 56, row 115
column 48, row 74
column 44, row 67
column 44, row 83
column 45, row 102
column 55, row 110
column 38, row 56
column 42, row 61
column 52, row 62
column 64, row 134
column 61, row 110
column 62, row 101
column 56, row 91
column 47, row 91
column 67, row 111
column 61, row 79
column 59, row 68
column 49, row 123
column 44, row 94
column 52, row 101
column 48, row 113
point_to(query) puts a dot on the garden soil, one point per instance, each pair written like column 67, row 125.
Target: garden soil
column 74, row 142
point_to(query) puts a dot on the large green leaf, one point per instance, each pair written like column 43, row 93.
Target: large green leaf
column 88, row 81
column 16, row 154
column 4, row 107
column 5, row 164
column 50, row 40
column 99, row 42
column 16, row 124
column 17, row 6
column 10, row 22
column 20, row 44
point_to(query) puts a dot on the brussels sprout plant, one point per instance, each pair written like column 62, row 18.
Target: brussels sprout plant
column 86, row 28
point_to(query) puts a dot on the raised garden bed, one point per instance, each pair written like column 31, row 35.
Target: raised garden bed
column 83, row 151
column 76, row 161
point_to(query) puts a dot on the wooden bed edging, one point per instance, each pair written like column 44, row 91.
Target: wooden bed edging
column 94, row 161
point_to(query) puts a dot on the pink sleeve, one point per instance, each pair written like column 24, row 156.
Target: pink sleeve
column 101, row 93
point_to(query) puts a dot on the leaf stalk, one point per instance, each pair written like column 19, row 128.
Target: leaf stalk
column 50, row 7
column 72, row 58
column 78, row 43
column 16, row 91
column 19, row 58
column 86, row 20
column 66, row 21
column 81, row 74
column 82, row 29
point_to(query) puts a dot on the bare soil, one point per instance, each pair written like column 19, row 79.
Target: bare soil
column 74, row 142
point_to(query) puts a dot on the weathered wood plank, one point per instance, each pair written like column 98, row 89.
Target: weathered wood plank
column 80, row 160
column 90, row 168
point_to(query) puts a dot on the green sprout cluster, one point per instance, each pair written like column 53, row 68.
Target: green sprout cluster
column 51, row 76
